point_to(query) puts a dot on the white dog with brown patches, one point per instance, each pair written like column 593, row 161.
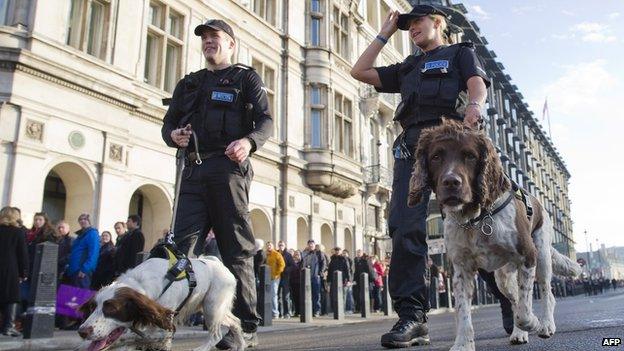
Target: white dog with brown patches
column 487, row 226
column 134, row 302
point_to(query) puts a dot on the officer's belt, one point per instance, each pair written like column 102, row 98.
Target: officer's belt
column 192, row 156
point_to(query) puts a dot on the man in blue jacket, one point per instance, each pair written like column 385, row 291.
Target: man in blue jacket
column 84, row 254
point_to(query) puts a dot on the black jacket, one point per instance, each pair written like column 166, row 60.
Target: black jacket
column 13, row 262
column 128, row 247
column 105, row 270
column 339, row 263
column 363, row 265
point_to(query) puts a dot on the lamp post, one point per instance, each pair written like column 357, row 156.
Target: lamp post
column 588, row 254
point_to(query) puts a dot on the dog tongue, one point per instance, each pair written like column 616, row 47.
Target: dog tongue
column 97, row 345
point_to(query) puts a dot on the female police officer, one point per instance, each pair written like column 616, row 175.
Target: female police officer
column 432, row 84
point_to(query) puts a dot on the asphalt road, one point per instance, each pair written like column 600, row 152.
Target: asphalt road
column 582, row 323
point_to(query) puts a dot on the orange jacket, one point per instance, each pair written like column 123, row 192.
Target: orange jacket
column 276, row 262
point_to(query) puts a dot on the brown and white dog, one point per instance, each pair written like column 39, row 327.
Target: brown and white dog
column 133, row 301
column 462, row 168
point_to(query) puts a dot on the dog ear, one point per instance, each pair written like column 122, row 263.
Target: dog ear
column 419, row 182
column 491, row 182
column 145, row 311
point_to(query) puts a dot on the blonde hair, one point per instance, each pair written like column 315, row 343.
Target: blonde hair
column 10, row 216
column 443, row 29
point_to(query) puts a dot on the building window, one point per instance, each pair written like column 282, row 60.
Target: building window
column 268, row 78
column 88, row 26
column 317, row 112
column 435, row 227
column 316, row 17
column 266, row 9
column 163, row 47
column 343, row 128
column 340, row 33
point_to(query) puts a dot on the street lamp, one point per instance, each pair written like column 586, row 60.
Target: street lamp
column 588, row 254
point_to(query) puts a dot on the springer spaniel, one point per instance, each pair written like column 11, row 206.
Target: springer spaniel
column 462, row 168
column 133, row 302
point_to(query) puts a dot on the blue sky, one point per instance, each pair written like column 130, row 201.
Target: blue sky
column 572, row 54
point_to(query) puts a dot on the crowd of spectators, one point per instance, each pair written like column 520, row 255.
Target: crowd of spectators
column 87, row 259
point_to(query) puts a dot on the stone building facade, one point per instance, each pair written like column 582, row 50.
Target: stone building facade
column 81, row 89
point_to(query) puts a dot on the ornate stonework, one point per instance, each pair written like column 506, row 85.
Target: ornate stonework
column 115, row 152
column 34, row 130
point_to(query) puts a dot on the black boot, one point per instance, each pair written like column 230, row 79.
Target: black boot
column 507, row 312
column 9, row 313
column 407, row 332
column 251, row 340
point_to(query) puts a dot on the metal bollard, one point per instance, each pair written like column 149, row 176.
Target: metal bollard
column 42, row 300
column 305, row 296
column 337, row 296
column 364, row 295
column 386, row 300
column 449, row 293
column 265, row 297
column 141, row 257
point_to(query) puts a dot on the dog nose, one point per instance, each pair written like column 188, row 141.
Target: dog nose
column 452, row 181
column 85, row 332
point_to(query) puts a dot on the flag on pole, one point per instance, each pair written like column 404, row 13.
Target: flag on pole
column 545, row 109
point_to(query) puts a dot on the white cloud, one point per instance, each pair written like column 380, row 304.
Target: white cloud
column 521, row 10
column 590, row 32
column 568, row 13
column 479, row 12
column 584, row 104
column 613, row 15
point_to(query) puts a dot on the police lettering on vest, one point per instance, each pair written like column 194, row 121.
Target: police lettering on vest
column 218, row 111
column 431, row 86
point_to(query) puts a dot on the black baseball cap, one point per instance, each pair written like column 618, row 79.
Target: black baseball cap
column 215, row 24
column 418, row 11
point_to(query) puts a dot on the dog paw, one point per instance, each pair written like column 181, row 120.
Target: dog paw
column 518, row 337
column 529, row 324
column 465, row 346
column 547, row 330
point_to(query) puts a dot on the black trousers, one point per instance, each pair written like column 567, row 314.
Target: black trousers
column 409, row 276
column 215, row 195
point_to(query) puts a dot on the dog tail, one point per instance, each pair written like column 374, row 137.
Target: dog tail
column 564, row 266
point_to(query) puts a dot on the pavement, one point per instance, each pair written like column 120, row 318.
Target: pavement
column 582, row 323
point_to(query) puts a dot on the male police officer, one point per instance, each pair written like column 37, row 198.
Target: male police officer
column 226, row 109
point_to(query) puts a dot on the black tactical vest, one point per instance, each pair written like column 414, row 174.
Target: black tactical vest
column 430, row 86
column 218, row 112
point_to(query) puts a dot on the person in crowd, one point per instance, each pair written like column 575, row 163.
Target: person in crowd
column 378, row 282
column 349, row 302
column 325, row 300
column 211, row 248
column 84, row 254
column 284, row 286
column 131, row 244
column 359, row 255
column 315, row 261
column 120, row 231
column 338, row 262
column 259, row 259
column 364, row 265
column 105, row 269
column 41, row 231
column 614, row 284
column 295, row 282
column 275, row 262
column 13, row 267
column 64, row 240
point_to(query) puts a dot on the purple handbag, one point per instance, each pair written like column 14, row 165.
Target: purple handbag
column 70, row 298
